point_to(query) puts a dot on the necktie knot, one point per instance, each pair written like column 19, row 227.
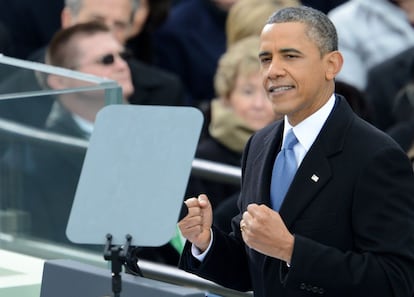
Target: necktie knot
column 290, row 140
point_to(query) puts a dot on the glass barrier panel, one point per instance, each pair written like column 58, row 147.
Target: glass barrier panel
column 46, row 118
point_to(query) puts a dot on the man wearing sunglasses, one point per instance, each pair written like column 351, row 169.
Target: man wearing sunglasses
column 152, row 86
column 75, row 48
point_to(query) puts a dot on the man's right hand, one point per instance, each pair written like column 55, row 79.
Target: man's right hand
column 196, row 225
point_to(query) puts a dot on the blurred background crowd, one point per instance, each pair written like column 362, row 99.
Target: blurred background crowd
column 200, row 53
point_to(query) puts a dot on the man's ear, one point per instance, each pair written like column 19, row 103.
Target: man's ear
column 66, row 18
column 334, row 62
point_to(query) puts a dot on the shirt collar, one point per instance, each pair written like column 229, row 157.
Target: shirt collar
column 307, row 130
column 84, row 125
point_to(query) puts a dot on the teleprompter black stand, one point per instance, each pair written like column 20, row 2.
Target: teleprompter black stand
column 118, row 256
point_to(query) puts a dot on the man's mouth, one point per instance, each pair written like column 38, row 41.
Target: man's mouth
column 278, row 89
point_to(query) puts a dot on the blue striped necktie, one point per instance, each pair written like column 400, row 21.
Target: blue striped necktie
column 284, row 170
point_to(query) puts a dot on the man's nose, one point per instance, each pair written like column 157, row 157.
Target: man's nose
column 276, row 69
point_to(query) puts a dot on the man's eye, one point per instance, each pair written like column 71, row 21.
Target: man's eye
column 291, row 56
column 264, row 60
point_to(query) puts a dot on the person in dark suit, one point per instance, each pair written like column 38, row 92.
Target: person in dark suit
column 346, row 224
column 385, row 81
column 190, row 42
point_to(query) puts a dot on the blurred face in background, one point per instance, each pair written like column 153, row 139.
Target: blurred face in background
column 116, row 14
column 249, row 101
column 101, row 55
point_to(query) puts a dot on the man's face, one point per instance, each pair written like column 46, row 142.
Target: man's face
column 100, row 54
column 116, row 14
column 296, row 78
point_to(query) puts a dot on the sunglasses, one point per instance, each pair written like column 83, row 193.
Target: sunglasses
column 109, row 59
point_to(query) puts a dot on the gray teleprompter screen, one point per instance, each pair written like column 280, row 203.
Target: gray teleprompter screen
column 135, row 174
